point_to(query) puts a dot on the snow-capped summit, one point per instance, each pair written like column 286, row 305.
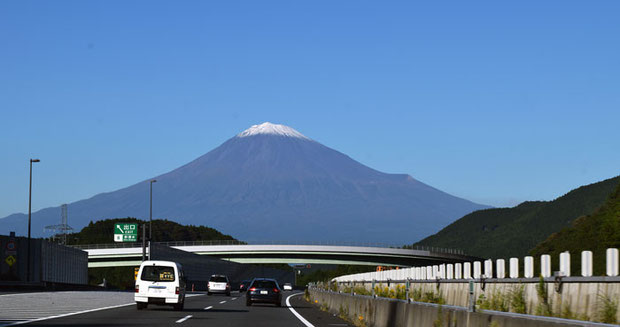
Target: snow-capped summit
column 273, row 129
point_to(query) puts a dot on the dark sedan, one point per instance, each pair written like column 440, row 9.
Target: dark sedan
column 264, row 290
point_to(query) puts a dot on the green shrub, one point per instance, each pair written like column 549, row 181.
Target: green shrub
column 607, row 309
column 360, row 290
column 517, row 300
column 431, row 297
column 496, row 301
column 401, row 292
column 416, row 294
column 567, row 313
column 544, row 307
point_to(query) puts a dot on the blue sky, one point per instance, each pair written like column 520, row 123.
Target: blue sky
column 492, row 101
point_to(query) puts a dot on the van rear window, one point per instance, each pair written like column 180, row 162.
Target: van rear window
column 157, row 274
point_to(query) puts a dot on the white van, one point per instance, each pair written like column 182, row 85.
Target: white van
column 161, row 283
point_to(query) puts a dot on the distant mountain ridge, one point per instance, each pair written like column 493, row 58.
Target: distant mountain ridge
column 507, row 232
column 271, row 182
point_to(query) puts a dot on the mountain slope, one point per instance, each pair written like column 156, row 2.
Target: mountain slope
column 270, row 182
column 506, row 232
column 596, row 232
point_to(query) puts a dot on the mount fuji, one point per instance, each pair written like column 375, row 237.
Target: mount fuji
column 270, row 182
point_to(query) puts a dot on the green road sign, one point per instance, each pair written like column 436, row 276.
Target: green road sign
column 125, row 232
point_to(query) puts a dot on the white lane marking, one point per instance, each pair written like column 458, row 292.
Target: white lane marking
column 70, row 314
column 302, row 319
column 222, row 302
column 209, row 307
column 14, row 294
column 192, row 295
column 183, row 319
column 233, row 299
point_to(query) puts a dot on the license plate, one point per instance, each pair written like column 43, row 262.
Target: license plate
column 264, row 292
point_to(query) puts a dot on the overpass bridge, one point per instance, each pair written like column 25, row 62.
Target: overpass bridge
column 119, row 254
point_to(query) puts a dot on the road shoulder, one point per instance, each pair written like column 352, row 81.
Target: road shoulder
column 313, row 314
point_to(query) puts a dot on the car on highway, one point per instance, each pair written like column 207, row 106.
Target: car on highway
column 287, row 287
column 243, row 286
column 218, row 284
column 160, row 283
column 263, row 290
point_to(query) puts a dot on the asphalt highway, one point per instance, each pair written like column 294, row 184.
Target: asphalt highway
column 203, row 310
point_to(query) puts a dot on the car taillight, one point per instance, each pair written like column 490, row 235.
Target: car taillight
column 276, row 290
column 252, row 289
column 176, row 290
column 137, row 288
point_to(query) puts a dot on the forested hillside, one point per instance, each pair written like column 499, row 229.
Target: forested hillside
column 163, row 231
column 595, row 232
column 506, row 232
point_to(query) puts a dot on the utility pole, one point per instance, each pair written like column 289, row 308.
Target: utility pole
column 144, row 242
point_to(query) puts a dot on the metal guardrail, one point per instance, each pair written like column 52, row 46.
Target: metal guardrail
column 235, row 242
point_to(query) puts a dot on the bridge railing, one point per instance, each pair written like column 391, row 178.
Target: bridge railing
column 107, row 245
column 295, row 242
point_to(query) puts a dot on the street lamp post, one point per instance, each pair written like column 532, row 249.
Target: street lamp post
column 151, row 210
column 29, row 219
column 151, row 214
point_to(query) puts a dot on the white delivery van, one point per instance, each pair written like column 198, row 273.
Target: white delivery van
column 161, row 283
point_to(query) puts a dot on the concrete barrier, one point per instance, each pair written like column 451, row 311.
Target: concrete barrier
column 382, row 312
column 578, row 297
